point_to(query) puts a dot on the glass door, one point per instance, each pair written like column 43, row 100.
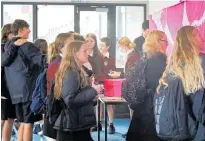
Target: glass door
column 92, row 19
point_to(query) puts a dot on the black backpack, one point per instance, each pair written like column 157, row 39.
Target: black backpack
column 54, row 106
column 174, row 118
column 134, row 89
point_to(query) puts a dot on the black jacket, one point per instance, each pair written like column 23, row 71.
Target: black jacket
column 143, row 123
column 78, row 113
column 19, row 70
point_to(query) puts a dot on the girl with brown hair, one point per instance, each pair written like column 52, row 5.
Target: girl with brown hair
column 77, row 94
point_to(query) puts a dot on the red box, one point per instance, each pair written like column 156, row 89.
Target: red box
column 112, row 87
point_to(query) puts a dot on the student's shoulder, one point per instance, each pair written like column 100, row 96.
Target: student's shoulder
column 139, row 38
column 203, row 60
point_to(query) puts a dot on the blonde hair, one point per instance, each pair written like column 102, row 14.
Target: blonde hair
column 55, row 47
column 52, row 53
column 125, row 41
column 151, row 45
column 68, row 63
column 185, row 62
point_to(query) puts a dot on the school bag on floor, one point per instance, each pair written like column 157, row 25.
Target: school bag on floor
column 39, row 96
column 174, row 118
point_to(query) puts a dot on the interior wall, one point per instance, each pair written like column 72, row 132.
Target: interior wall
column 157, row 5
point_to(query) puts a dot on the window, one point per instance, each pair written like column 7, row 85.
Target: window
column 128, row 23
column 24, row 12
column 54, row 19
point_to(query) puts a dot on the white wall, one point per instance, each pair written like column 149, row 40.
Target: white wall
column 157, row 5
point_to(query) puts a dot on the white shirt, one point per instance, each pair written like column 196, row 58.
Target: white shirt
column 88, row 66
column 91, row 53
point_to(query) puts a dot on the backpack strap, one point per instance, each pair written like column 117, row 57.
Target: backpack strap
column 202, row 109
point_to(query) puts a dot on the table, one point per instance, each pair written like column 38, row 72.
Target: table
column 107, row 101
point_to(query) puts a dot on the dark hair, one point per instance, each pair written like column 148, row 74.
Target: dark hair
column 106, row 40
column 145, row 24
column 18, row 24
column 42, row 45
column 5, row 31
column 95, row 49
column 78, row 37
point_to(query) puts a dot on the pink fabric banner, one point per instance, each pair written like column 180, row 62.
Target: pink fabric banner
column 172, row 18
column 175, row 21
column 195, row 10
column 152, row 24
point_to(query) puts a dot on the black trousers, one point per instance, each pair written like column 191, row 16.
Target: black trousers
column 83, row 135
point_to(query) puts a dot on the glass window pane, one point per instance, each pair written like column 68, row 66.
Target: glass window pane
column 24, row 12
column 54, row 19
column 128, row 23
column 93, row 22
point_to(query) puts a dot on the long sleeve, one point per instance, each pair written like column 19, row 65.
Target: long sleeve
column 9, row 54
column 72, row 95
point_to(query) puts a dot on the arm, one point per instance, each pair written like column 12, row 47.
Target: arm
column 9, row 54
column 71, row 93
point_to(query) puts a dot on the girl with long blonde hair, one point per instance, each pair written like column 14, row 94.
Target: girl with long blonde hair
column 185, row 61
column 187, row 65
column 73, row 87
column 142, row 123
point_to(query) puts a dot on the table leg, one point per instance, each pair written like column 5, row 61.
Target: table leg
column 98, row 119
column 105, row 117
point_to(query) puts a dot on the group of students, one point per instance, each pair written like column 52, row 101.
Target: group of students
column 69, row 60
column 76, row 69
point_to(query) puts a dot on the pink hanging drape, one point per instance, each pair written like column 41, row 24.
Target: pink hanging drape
column 174, row 17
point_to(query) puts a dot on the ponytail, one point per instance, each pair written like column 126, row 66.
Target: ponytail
column 52, row 52
column 132, row 45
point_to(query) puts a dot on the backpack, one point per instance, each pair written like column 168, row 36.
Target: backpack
column 39, row 96
column 54, row 106
column 174, row 119
column 134, row 88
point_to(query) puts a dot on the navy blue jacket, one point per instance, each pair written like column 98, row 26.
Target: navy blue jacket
column 4, row 89
column 19, row 69
column 79, row 112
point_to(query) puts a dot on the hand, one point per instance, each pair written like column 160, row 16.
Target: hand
column 20, row 42
column 114, row 74
column 96, row 98
column 98, row 88
column 92, row 80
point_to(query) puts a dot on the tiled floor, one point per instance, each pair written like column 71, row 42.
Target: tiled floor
column 121, row 126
